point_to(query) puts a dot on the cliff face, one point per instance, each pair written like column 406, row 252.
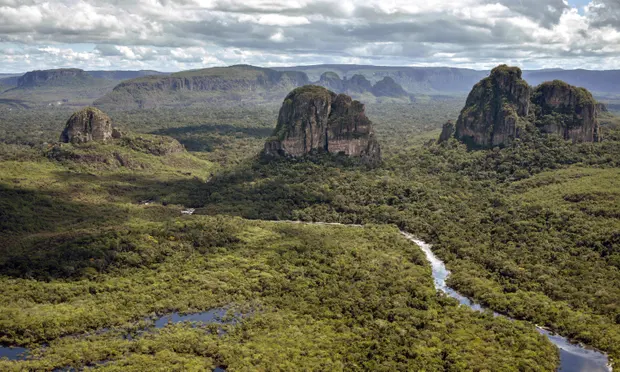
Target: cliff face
column 89, row 124
column 53, row 77
column 387, row 87
column 313, row 118
column 567, row 111
column 212, row 85
column 493, row 108
column 358, row 84
column 447, row 131
column 331, row 81
column 499, row 106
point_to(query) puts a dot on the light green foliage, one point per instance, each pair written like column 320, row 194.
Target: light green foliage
column 527, row 230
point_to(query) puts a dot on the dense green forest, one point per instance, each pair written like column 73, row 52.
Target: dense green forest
column 94, row 240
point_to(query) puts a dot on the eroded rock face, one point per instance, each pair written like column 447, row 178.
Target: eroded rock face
column 387, row 87
column 358, row 84
column 447, row 131
column 499, row 106
column 49, row 77
column 567, row 111
column 331, row 81
column 89, row 124
column 313, row 118
column 492, row 113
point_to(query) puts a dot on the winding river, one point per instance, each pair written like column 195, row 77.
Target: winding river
column 573, row 357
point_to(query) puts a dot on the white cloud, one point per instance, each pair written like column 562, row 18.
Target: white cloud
column 174, row 34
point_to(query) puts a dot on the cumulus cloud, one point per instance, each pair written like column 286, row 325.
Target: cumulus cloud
column 176, row 34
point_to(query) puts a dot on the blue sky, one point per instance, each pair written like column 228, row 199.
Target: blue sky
column 172, row 35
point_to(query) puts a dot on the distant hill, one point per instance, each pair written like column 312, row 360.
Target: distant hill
column 55, row 78
column 123, row 75
column 412, row 79
column 434, row 80
column 233, row 85
column 596, row 81
column 58, row 87
column 218, row 85
column 61, row 87
column 361, row 88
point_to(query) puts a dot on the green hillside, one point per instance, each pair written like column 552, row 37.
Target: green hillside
column 207, row 87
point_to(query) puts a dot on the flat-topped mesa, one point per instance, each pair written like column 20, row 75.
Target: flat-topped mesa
column 89, row 124
column 492, row 113
column 60, row 76
column 567, row 111
column 314, row 119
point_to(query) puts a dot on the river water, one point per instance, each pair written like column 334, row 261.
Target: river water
column 573, row 357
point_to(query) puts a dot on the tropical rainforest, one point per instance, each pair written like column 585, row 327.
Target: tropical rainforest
column 95, row 246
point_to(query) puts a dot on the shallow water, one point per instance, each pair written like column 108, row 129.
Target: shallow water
column 573, row 357
column 13, row 353
column 213, row 316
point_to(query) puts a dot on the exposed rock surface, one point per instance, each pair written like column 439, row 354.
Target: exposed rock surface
column 331, row 81
column 387, row 87
column 501, row 105
column 567, row 111
column 447, row 131
column 358, row 85
column 53, row 77
column 223, row 85
column 313, row 118
column 493, row 108
column 89, row 124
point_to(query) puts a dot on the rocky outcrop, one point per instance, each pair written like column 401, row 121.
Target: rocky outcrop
column 358, row 84
column 387, row 87
column 492, row 113
column 89, row 124
column 332, row 81
column 567, row 111
column 501, row 105
column 61, row 76
column 447, row 131
column 314, row 119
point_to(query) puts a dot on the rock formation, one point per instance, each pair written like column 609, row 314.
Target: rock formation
column 567, row 111
column 217, row 85
column 493, row 108
column 447, row 131
column 502, row 104
column 387, row 87
column 89, row 124
column 53, row 77
column 331, row 81
column 314, row 119
column 358, row 84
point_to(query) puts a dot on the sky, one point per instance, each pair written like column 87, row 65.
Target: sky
column 173, row 35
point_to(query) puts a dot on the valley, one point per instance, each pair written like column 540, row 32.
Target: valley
column 94, row 238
